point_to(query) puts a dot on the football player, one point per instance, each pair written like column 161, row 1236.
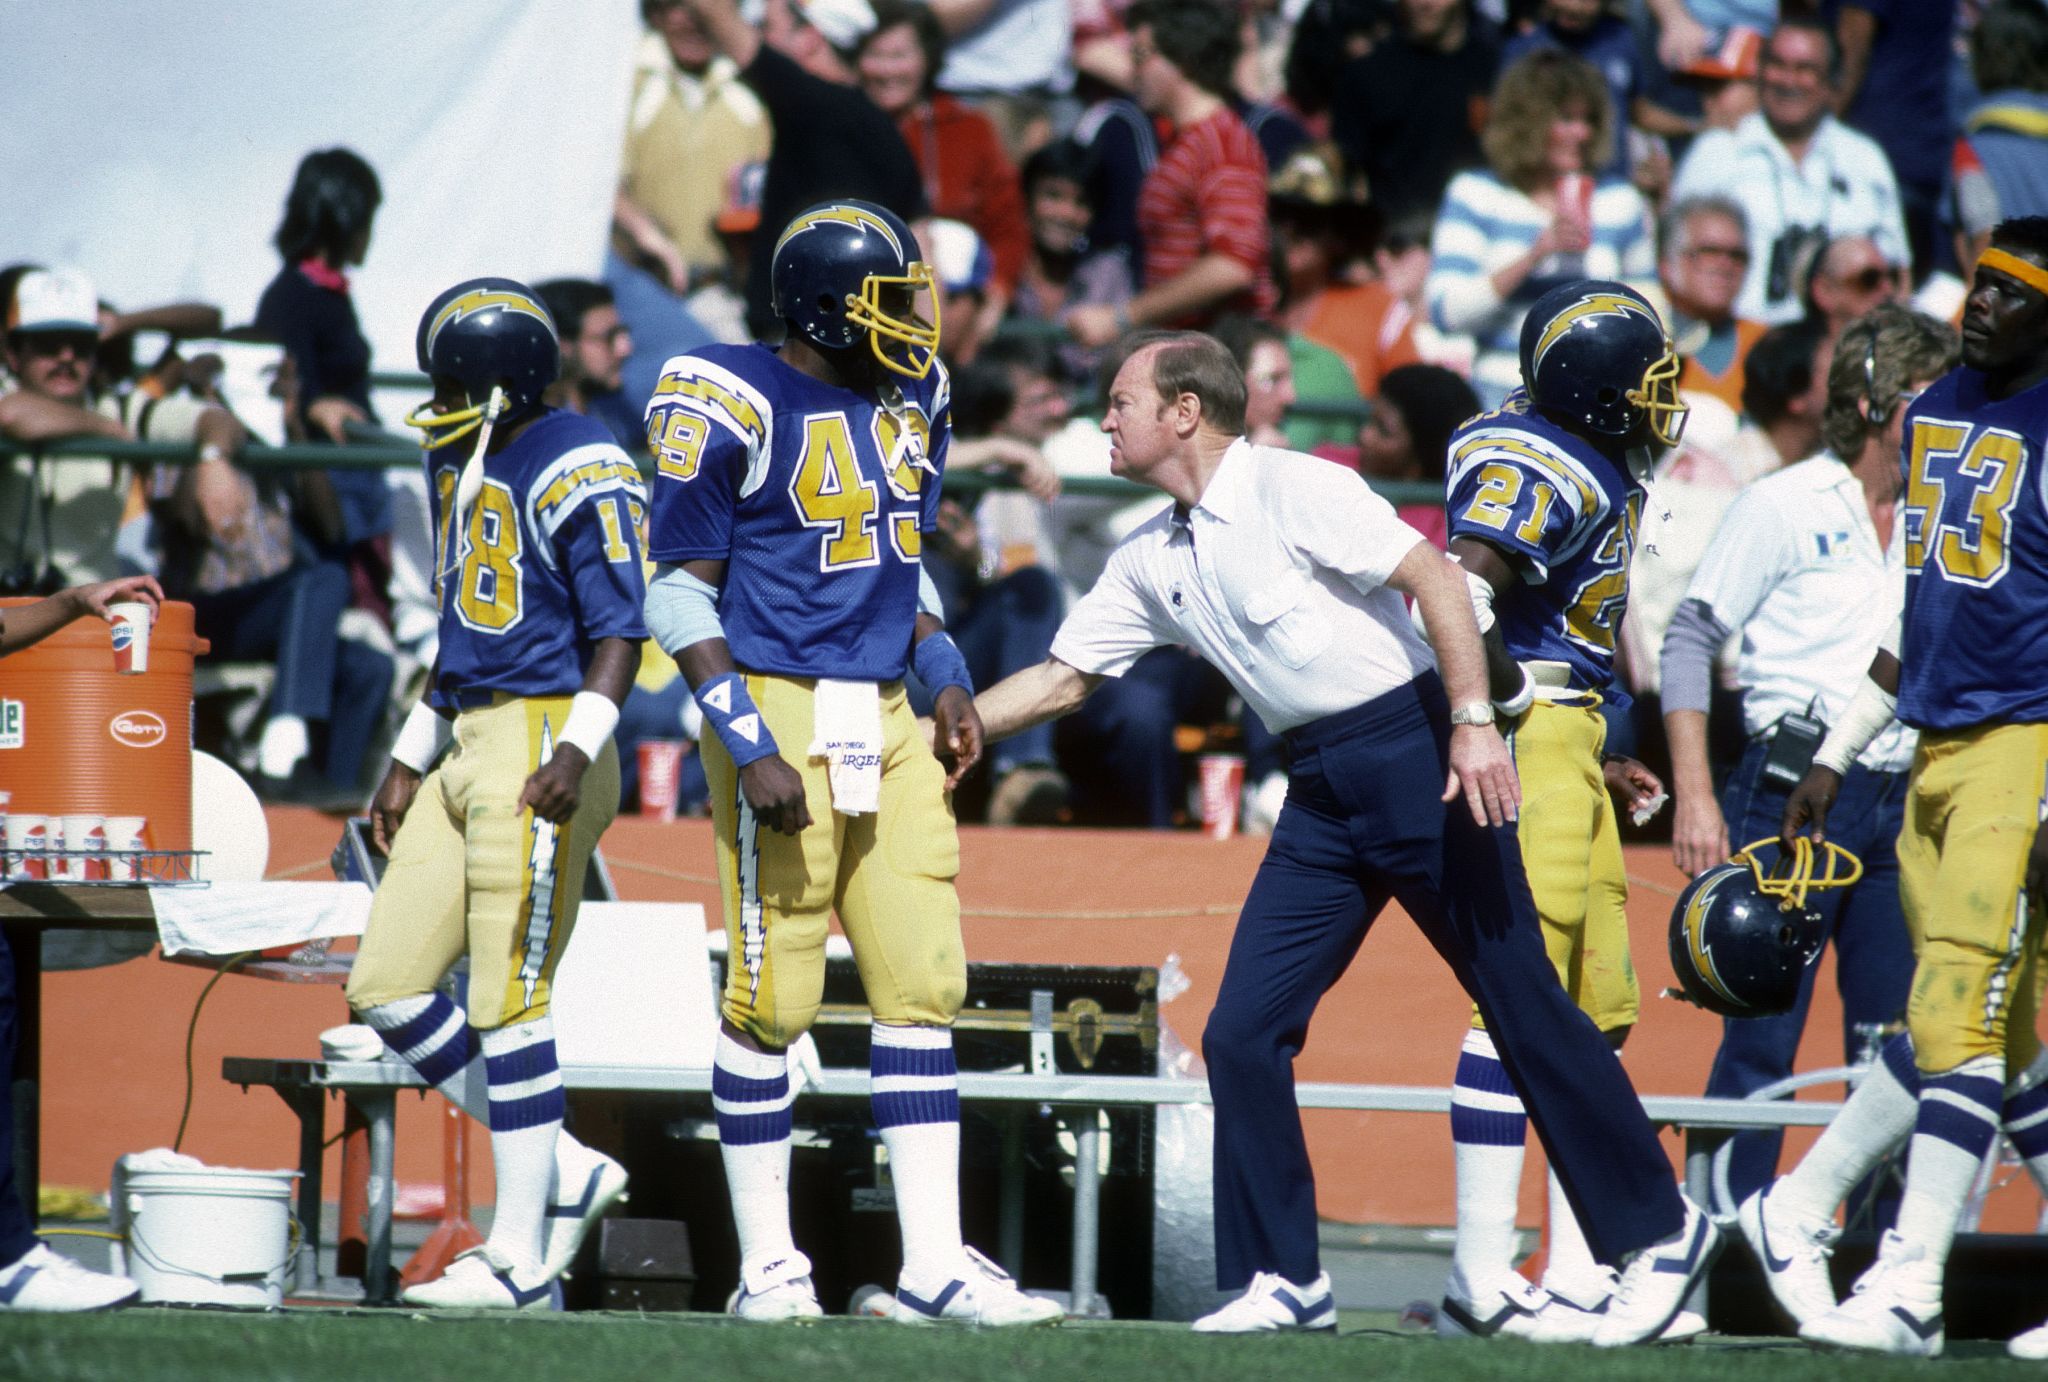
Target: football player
column 537, row 575
column 1545, row 495
column 793, row 489
column 1969, row 670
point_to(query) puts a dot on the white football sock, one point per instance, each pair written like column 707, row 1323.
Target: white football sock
column 1876, row 1120
column 915, row 1093
column 526, row 1117
column 282, row 744
column 750, row 1094
column 1958, row 1118
column 1488, row 1133
column 1569, row 1269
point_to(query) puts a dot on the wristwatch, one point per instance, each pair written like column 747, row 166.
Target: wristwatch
column 1478, row 713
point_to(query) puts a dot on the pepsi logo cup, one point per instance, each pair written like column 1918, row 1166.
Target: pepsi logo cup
column 27, row 837
column 85, row 845
column 130, row 630
column 661, row 774
column 124, row 843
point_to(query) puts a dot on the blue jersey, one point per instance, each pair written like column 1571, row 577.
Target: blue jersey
column 1566, row 517
column 815, row 497
column 549, row 564
column 1975, row 641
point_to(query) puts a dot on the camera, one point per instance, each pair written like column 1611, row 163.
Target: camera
column 1794, row 741
column 1793, row 255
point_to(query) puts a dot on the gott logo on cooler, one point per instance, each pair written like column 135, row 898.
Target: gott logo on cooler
column 138, row 729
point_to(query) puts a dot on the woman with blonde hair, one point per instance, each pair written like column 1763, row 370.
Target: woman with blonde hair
column 1537, row 216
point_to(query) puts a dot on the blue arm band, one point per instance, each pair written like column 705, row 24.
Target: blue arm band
column 939, row 665
column 733, row 716
column 681, row 609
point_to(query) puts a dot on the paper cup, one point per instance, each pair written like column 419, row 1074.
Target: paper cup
column 1222, row 785
column 27, row 835
column 661, row 777
column 82, row 835
column 124, row 840
column 130, row 632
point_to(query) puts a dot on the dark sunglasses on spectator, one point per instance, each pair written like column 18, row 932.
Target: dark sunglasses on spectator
column 53, row 343
column 1867, row 280
column 1737, row 253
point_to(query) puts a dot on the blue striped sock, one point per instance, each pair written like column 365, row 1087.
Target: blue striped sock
column 1488, row 1129
column 428, row 1033
column 750, row 1095
column 1897, row 1056
column 914, row 1091
column 525, row 1082
column 524, row 1075
column 1957, row 1119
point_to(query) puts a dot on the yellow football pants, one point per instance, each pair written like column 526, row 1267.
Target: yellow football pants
column 889, row 875
column 1971, row 816
column 1571, row 850
column 471, row 873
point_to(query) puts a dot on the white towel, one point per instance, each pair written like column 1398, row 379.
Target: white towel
column 847, row 734
column 228, row 918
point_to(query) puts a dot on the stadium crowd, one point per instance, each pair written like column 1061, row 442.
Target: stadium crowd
column 1361, row 197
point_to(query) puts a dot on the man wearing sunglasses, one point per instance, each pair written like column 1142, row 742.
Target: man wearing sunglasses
column 1850, row 277
column 595, row 344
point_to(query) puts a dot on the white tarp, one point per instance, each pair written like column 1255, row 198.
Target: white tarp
column 151, row 144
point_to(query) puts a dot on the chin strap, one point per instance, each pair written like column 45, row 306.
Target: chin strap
column 471, row 482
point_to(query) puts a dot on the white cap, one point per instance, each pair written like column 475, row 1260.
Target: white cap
column 54, row 300
column 843, row 23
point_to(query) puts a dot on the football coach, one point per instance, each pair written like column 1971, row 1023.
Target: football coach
column 1287, row 573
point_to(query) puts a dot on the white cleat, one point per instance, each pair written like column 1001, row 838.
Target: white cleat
column 986, row 1296
column 1507, row 1308
column 45, row 1281
column 1570, row 1317
column 484, row 1278
column 1656, row 1280
column 1271, row 1304
column 778, row 1291
column 1895, row 1308
column 587, row 1183
column 2032, row 1345
column 1793, row 1250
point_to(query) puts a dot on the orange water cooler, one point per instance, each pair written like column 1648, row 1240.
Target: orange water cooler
column 77, row 737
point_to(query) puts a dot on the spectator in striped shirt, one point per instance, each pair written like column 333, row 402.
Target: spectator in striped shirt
column 1537, row 218
column 1202, row 211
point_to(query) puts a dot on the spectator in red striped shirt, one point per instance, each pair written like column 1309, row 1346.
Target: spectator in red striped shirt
column 1202, row 211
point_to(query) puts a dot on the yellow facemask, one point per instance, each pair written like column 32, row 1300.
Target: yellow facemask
column 919, row 339
column 1657, row 396
column 1797, row 866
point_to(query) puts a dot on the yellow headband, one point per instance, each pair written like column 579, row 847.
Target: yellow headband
column 2033, row 275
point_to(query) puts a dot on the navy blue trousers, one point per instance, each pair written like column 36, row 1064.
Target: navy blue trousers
column 17, row 1227
column 1362, row 827
column 1873, row 953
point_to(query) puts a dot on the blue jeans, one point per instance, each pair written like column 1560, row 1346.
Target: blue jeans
column 294, row 618
column 1873, row 955
column 1362, row 827
column 17, row 1223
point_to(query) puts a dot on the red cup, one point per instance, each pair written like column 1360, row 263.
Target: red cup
column 661, row 777
column 1575, row 197
column 1222, row 787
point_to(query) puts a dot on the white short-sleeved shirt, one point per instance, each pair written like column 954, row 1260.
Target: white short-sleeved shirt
column 1844, row 186
column 1277, row 577
column 1796, row 571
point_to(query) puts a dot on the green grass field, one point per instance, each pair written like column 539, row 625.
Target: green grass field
column 165, row 1345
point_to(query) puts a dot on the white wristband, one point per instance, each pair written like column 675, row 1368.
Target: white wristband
column 592, row 718
column 1520, row 701
column 1871, row 711
column 420, row 742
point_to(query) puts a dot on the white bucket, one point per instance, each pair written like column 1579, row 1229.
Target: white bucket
column 209, row 1235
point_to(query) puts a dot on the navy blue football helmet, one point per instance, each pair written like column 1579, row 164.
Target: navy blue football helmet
column 490, row 335
column 1596, row 352
column 848, row 269
column 1741, row 937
